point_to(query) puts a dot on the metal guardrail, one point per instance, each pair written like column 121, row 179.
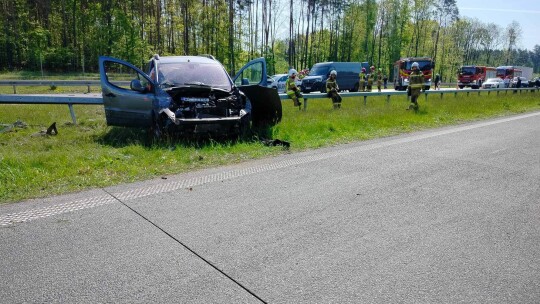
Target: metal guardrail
column 50, row 83
column 96, row 99
column 70, row 100
column 404, row 93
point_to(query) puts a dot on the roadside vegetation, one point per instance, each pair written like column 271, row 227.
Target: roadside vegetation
column 90, row 154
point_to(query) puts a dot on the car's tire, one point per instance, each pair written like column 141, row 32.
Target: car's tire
column 245, row 127
column 461, row 87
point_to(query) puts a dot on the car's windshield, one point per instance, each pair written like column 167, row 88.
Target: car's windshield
column 182, row 73
column 468, row 70
column 504, row 72
column 319, row 71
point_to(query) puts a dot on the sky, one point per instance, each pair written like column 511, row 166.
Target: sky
column 503, row 12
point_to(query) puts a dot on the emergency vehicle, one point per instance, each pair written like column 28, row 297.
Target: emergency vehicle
column 508, row 72
column 473, row 76
column 402, row 70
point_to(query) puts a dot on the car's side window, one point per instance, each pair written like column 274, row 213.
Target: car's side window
column 252, row 74
column 120, row 75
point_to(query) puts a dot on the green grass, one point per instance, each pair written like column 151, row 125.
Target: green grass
column 90, row 154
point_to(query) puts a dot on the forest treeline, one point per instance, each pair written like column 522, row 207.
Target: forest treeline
column 69, row 35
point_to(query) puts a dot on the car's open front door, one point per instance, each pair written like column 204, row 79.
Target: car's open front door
column 265, row 102
column 128, row 93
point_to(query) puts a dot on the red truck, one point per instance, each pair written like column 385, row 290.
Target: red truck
column 402, row 70
column 473, row 76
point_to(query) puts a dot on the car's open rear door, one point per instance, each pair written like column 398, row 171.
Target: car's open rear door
column 124, row 105
column 265, row 102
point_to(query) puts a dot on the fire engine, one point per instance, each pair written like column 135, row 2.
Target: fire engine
column 508, row 72
column 402, row 70
column 473, row 76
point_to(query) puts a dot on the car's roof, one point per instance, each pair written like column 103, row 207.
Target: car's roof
column 176, row 59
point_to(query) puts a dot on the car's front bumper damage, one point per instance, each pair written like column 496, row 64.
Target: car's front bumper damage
column 210, row 125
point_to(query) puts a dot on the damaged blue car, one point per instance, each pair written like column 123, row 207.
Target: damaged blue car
column 188, row 96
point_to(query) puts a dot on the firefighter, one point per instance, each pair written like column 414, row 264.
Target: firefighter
column 363, row 78
column 292, row 90
column 371, row 78
column 379, row 79
column 437, row 82
column 332, row 89
column 416, row 81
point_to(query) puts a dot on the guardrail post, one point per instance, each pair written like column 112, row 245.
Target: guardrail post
column 468, row 93
column 14, row 89
column 387, row 98
column 455, row 94
column 365, row 99
column 88, row 88
column 305, row 104
column 425, row 93
column 442, row 95
column 70, row 105
column 478, row 92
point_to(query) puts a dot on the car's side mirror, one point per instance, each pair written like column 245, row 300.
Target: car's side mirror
column 137, row 86
column 245, row 81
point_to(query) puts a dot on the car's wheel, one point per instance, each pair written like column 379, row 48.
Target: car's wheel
column 461, row 87
column 245, row 127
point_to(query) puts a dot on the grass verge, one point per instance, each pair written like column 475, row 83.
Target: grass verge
column 90, row 154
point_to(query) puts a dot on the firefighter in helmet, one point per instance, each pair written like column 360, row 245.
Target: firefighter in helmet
column 291, row 89
column 416, row 81
column 379, row 79
column 371, row 78
column 363, row 78
column 332, row 89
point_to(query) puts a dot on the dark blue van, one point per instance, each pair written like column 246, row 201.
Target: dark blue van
column 348, row 76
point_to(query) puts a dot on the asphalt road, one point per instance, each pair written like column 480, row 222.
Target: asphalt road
column 442, row 216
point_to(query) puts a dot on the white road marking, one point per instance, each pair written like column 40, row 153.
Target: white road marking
column 19, row 217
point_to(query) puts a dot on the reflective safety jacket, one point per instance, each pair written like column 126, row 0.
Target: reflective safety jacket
column 416, row 80
column 290, row 85
column 363, row 76
column 331, row 84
